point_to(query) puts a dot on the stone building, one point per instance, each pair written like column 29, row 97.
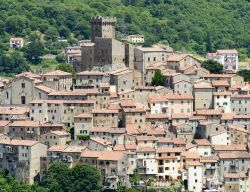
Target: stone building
column 22, row 158
column 58, row 80
column 105, row 52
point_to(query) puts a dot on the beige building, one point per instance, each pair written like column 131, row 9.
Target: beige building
column 82, row 124
column 21, row 90
column 58, row 80
column 105, row 118
column 22, row 158
column 203, row 94
column 54, row 138
column 13, row 112
column 179, row 61
column 86, row 79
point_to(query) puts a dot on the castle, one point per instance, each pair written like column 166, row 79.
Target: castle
column 104, row 52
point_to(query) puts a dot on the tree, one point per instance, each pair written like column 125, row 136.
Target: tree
column 51, row 34
column 245, row 73
column 213, row 66
column 34, row 51
column 65, row 67
column 14, row 63
column 60, row 58
column 9, row 184
column 80, row 178
column 158, row 79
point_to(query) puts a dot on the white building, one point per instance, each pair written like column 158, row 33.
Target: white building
column 222, row 101
column 16, row 42
column 228, row 58
column 194, row 175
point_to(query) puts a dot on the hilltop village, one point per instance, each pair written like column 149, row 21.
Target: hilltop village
column 191, row 130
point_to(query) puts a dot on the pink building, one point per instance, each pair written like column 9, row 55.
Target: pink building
column 171, row 104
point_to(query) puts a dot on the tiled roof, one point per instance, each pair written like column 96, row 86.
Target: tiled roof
column 229, row 147
column 17, row 142
column 146, row 138
column 92, row 73
column 60, row 133
column 44, row 88
column 202, row 142
column 227, row 51
column 220, row 83
column 176, row 57
column 100, row 141
column 234, row 155
column 25, row 123
column 57, row 73
column 104, row 111
column 13, row 110
column 84, row 115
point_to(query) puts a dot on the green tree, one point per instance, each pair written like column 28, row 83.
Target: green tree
column 158, row 79
column 9, row 184
column 34, row 51
column 213, row 66
column 60, row 58
column 51, row 34
column 60, row 178
column 245, row 73
column 66, row 67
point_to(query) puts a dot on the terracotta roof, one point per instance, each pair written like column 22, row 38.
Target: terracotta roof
column 57, row 148
column 25, row 123
column 157, row 116
column 176, row 141
column 156, row 131
column 227, row 51
column 190, row 155
column 17, row 142
column 127, row 103
column 181, row 116
column 237, row 128
column 44, row 88
column 100, row 141
column 76, row 92
column 103, row 155
column 208, row 112
column 134, row 110
column 57, row 73
column 13, row 110
column 202, row 142
column 170, row 150
column 74, row 149
column 119, row 147
column 92, row 73
column 201, row 84
column 197, row 117
column 130, row 146
column 4, row 123
column 193, row 163
column 104, row 111
column 219, row 75
column 145, row 149
column 229, row 147
column 132, row 129
column 169, row 96
column 146, row 138
column 176, row 57
column 227, row 116
column 151, row 49
column 60, row 133
column 99, row 129
column 235, row 175
column 235, row 96
column 234, row 155
column 220, row 83
column 84, row 115
column 209, row 159
column 222, row 93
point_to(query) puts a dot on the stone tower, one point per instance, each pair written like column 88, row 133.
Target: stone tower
column 103, row 27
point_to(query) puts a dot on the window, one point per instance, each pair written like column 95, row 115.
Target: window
column 23, row 85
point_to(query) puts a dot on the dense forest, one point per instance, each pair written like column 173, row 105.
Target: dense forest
column 194, row 25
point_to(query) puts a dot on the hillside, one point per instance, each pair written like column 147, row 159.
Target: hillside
column 194, row 25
